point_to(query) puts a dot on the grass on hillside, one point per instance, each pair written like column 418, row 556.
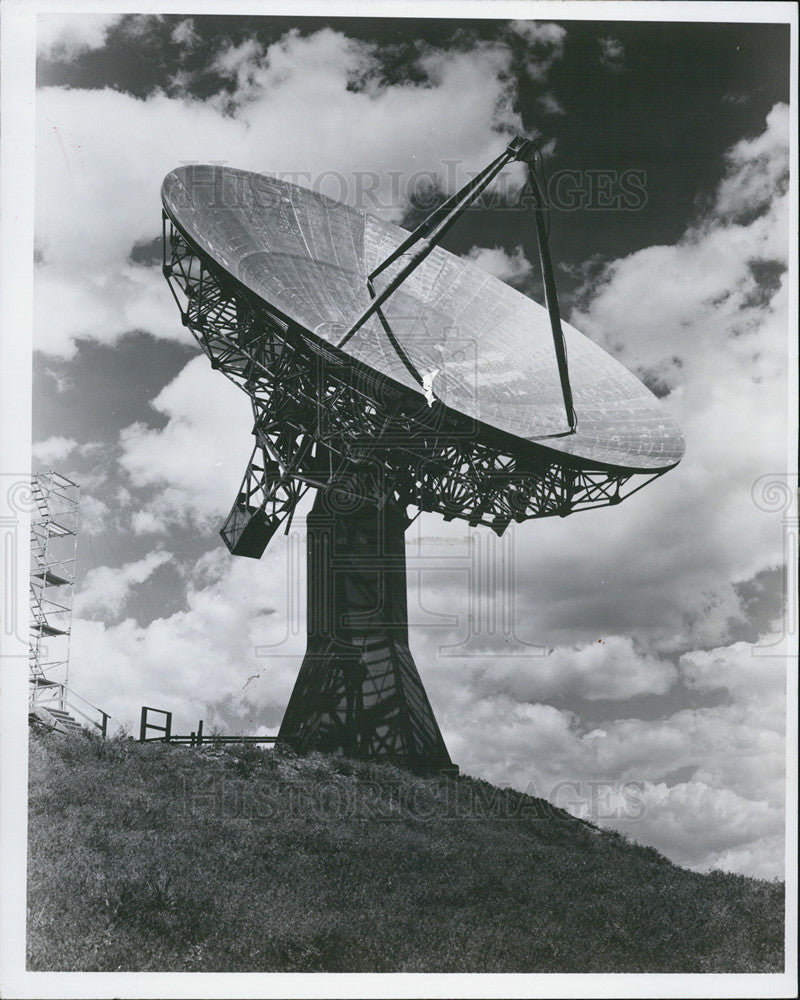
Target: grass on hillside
column 153, row 857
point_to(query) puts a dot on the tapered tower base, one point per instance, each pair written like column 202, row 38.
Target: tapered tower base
column 358, row 690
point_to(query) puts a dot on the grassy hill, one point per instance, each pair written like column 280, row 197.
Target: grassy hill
column 150, row 857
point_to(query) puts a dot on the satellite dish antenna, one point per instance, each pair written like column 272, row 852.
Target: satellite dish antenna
column 392, row 377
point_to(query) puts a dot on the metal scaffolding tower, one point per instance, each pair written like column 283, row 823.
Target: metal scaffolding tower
column 54, row 529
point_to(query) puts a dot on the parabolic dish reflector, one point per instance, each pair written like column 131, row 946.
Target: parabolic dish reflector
column 308, row 257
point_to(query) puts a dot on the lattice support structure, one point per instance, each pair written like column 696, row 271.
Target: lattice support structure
column 54, row 527
column 320, row 418
column 358, row 689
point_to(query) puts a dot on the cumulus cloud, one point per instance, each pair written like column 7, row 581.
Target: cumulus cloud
column 66, row 36
column 757, row 681
column 146, row 522
column 107, row 589
column 195, row 462
column 54, row 449
column 97, row 197
column 723, row 308
column 760, row 858
column 704, row 785
column 609, row 668
column 660, row 568
column 544, row 44
column 237, row 644
column 240, row 63
column 94, row 514
column 185, row 34
column 708, row 318
column 757, row 170
column 513, row 268
column 86, row 285
column 706, row 828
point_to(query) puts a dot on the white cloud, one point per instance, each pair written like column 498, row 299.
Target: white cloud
column 759, row 682
column 66, row 36
column 513, row 268
column 237, row 626
column 721, row 310
column 760, row 858
column 758, row 169
column 54, row 449
column 544, row 45
column 85, row 284
column 609, row 668
column 241, row 63
column 93, row 515
column 108, row 588
column 706, row 828
column 661, row 566
column 100, row 306
column 728, row 746
column 97, row 195
column 196, row 461
column 712, row 326
column 703, row 785
column 145, row 522
column 184, row 33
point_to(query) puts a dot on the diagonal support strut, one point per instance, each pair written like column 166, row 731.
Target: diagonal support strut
column 430, row 232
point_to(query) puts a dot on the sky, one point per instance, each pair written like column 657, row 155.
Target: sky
column 637, row 688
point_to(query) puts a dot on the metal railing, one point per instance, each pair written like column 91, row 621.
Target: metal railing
column 66, row 699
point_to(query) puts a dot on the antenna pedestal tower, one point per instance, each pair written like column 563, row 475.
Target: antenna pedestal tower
column 438, row 389
column 358, row 689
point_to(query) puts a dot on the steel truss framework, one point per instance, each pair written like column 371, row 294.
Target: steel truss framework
column 322, row 420
column 54, row 526
column 375, row 450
